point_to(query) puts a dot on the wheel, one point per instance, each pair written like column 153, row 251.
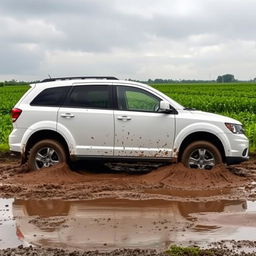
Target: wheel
column 201, row 155
column 46, row 153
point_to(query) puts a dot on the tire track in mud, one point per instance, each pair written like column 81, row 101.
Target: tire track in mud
column 61, row 182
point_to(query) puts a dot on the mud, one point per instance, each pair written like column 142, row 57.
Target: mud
column 178, row 176
column 61, row 252
column 123, row 181
column 120, row 252
column 128, row 206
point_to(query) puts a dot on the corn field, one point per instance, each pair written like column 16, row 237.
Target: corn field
column 236, row 100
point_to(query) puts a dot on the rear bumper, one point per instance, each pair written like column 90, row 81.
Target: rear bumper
column 15, row 154
column 235, row 159
column 15, row 139
column 18, row 155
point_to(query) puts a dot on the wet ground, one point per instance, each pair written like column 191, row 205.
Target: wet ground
column 115, row 207
column 114, row 223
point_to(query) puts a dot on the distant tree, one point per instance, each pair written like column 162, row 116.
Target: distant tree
column 158, row 80
column 219, row 79
column 227, row 78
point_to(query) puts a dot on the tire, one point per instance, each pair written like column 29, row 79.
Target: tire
column 46, row 153
column 201, row 155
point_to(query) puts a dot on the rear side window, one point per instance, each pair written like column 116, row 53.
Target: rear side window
column 90, row 96
column 51, row 97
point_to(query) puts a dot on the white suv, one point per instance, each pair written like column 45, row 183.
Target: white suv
column 72, row 118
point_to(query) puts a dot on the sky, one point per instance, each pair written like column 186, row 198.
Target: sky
column 137, row 39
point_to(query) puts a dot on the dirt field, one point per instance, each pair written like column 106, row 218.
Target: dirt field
column 146, row 190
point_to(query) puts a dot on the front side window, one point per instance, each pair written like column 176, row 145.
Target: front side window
column 90, row 96
column 52, row 97
column 135, row 99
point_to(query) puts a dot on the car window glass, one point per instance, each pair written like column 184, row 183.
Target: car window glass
column 51, row 96
column 90, row 96
column 135, row 99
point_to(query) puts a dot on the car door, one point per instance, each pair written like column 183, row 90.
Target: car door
column 87, row 116
column 140, row 130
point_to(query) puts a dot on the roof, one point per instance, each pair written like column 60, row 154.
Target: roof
column 78, row 78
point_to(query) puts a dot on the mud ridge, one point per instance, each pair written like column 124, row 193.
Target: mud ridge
column 178, row 176
column 63, row 183
column 175, row 175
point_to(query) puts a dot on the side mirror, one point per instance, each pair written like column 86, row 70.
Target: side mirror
column 164, row 106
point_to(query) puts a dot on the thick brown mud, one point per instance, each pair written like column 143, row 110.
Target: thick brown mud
column 61, row 182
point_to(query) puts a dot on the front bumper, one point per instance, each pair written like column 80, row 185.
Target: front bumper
column 238, row 146
column 238, row 150
column 235, row 159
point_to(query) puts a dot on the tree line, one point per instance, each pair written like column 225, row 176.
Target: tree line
column 226, row 78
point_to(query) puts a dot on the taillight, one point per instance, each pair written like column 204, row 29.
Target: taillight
column 19, row 234
column 15, row 114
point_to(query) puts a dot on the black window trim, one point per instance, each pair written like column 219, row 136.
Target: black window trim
column 173, row 110
column 110, row 89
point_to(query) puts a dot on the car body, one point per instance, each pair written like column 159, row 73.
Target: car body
column 111, row 119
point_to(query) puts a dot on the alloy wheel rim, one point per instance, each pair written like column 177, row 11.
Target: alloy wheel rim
column 46, row 157
column 201, row 158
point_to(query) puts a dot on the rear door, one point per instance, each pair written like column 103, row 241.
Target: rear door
column 140, row 130
column 87, row 115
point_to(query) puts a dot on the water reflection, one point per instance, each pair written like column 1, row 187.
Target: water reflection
column 110, row 223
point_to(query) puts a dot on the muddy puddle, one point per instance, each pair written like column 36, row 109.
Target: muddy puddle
column 106, row 224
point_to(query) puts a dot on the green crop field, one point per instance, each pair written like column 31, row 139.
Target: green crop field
column 9, row 95
column 236, row 100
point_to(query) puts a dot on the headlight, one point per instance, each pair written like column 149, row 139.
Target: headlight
column 235, row 128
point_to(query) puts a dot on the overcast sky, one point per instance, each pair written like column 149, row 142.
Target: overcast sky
column 138, row 39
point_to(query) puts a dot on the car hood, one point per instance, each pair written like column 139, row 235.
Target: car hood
column 201, row 115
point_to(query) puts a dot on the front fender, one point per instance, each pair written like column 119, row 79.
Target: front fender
column 201, row 127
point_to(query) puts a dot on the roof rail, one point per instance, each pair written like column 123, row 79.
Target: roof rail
column 79, row 77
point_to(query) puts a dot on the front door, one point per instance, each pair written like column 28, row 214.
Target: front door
column 140, row 130
column 87, row 115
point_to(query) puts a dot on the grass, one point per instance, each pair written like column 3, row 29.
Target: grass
column 175, row 250
column 4, row 147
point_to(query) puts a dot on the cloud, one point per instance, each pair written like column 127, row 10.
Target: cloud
column 130, row 39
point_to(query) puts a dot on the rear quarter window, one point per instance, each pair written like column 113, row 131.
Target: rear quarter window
column 51, row 97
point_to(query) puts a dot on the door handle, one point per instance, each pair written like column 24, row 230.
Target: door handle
column 124, row 118
column 67, row 115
